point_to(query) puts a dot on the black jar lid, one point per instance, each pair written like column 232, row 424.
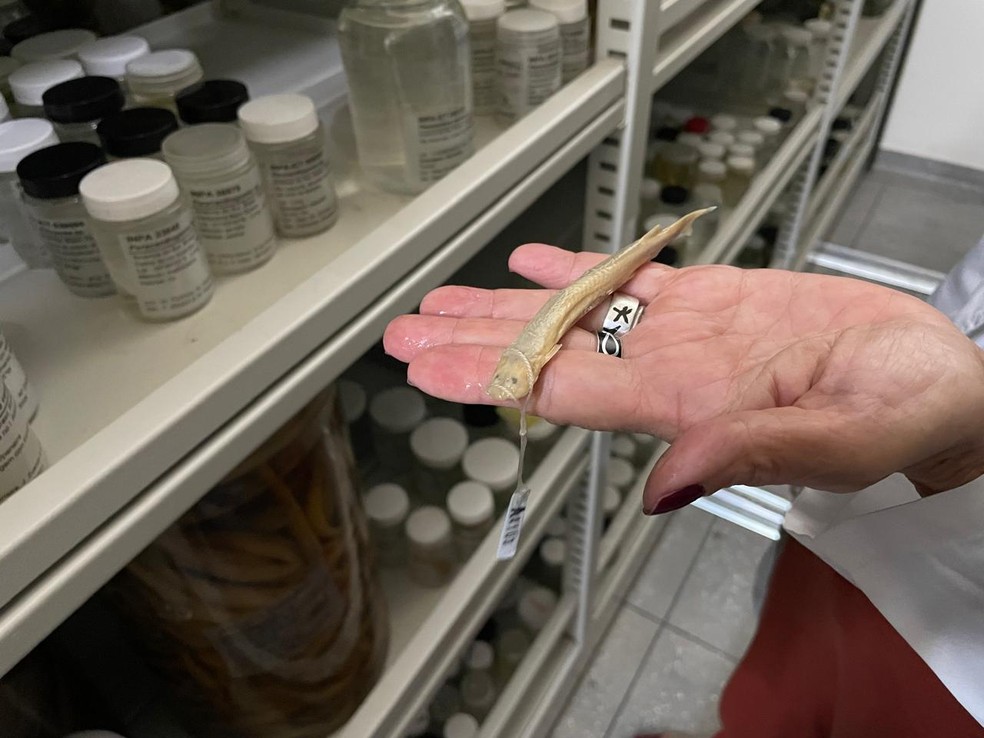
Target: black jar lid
column 82, row 100
column 56, row 171
column 667, row 133
column 212, row 101
column 136, row 132
column 783, row 115
column 26, row 27
column 673, row 195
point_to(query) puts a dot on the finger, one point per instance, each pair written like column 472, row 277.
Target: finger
column 576, row 388
column 472, row 302
column 787, row 445
column 408, row 335
column 555, row 268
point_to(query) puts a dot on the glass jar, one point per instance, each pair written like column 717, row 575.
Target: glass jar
column 471, row 506
column 771, row 130
column 137, row 132
column 757, row 64
column 711, row 150
column 744, row 151
column 147, row 239
column 77, row 106
column 286, row 135
column 409, row 73
column 480, row 657
column 18, row 138
column 395, row 412
column 674, row 164
column 551, row 555
column 711, row 171
column 799, row 44
column 216, row 171
column 108, row 57
column 387, row 507
column 529, row 61
column 483, row 16
column 23, row 456
column 754, row 139
column 12, row 376
column 155, row 78
column 61, row 44
column 820, row 31
column 29, row 83
column 740, row 171
column 431, row 558
column 50, row 180
column 260, row 605
column 510, row 648
column 494, row 462
column 212, row 101
column 437, row 445
column 575, row 34
column 726, row 123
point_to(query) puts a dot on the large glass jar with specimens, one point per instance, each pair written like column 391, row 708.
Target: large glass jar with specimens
column 408, row 68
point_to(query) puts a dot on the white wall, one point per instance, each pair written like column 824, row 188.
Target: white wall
column 938, row 111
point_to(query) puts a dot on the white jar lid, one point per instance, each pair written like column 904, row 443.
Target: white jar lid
column 526, row 20
column 428, row 526
column 724, row 123
column 818, row 27
column 752, row 138
column 163, row 63
column 556, row 527
column 205, row 148
column 461, row 725
column 611, row 501
column 52, row 45
column 767, row 126
column 470, row 503
column 439, row 442
column 478, row 10
column 492, row 461
column 480, row 656
column 712, row 167
column 32, row 80
column 650, row 188
column 796, row 96
column 711, row 150
column 387, row 504
column 535, row 608
column 620, row 472
column 722, row 137
column 398, row 409
column 128, row 189
column 18, row 138
column 553, row 551
column 352, row 399
column 566, row 11
column 689, row 138
column 623, row 445
column 797, row 36
column 741, row 164
column 108, row 57
column 278, row 118
column 742, row 150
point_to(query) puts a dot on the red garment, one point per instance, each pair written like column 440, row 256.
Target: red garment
column 826, row 664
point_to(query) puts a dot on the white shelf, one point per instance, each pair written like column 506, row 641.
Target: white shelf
column 132, row 410
column 867, row 43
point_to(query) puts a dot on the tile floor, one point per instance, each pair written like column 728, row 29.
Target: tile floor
column 691, row 613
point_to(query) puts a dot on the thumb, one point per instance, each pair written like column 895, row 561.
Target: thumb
column 787, row 445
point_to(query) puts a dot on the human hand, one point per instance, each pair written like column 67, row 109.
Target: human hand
column 754, row 377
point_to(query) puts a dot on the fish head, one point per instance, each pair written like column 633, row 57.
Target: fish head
column 511, row 379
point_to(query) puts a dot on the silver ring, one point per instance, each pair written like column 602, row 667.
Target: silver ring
column 623, row 313
column 609, row 344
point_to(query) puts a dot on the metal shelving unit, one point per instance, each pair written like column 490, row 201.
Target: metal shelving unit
column 140, row 421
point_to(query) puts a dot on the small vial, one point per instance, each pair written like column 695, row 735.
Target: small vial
column 724, row 138
column 387, row 507
column 212, row 101
column 18, row 138
column 445, row 703
column 726, row 123
column 510, row 648
column 711, row 171
column 624, row 447
column 575, row 34
column 13, row 377
column 286, row 136
column 156, row 78
column 483, row 16
column 63, row 44
column 744, row 151
column 770, row 129
column 395, row 412
column 493, row 462
column 108, row 57
column 147, row 239
column 29, row 83
column 77, row 106
column 219, row 175
column 471, row 506
column 137, row 132
column 20, row 449
column 437, row 445
column 674, row 164
column 711, row 150
column 431, row 556
column 355, row 404
column 552, row 553
column 621, row 474
column 528, row 61
column 50, row 180
column 673, row 199
column 480, row 657
column 463, row 725
column 611, row 501
column 478, row 694
column 535, row 608
column 740, row 171
column 8, row 66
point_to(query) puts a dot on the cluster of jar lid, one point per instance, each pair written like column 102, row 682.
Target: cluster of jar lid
column 118, row 197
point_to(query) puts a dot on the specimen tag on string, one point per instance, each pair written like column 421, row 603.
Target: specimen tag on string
column 513, row 524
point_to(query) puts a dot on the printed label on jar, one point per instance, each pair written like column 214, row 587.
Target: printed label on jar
column 529, row 73
column 437, row 142
column 233, row 222
column 574, row 43
column 303, row 193
column 75, row 255
column 13, row 377
column 483, row 43
column 168, row 269
column 21, row 455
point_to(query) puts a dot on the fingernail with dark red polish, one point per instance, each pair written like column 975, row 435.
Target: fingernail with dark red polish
column 679, row 498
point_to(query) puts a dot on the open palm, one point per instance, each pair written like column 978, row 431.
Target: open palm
column 755, row 377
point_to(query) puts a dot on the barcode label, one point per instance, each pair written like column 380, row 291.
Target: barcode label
column 512, row 526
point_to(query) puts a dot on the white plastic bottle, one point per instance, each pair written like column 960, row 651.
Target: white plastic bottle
column 471, row 506
column 18, row 138
column 108, row 57
column 528, row 59
column 387, row 507
column 431, row 558
column 493, row 462
column 575, row 34
column 483, row 15
column 437, row 445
